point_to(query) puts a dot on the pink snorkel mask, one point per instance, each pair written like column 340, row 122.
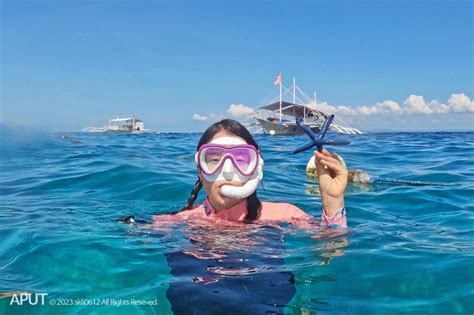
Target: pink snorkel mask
column 231, row 159
column 211, row 157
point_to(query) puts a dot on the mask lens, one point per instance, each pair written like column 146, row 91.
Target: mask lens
column 243, row 157
column 212, row 157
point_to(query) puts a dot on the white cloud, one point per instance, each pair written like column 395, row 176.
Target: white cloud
column 414, row 104
column 383, row 107
column 438, row 107
column 326, row 108
column 368, row 110
column 200, row 117
column 389, row 106
column 240, row 110
column 345, row 110
column 461, row 103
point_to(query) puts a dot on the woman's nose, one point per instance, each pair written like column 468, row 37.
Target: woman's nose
column 228, row 170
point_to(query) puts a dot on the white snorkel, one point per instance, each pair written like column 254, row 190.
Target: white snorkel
column 229, row 173
column 240, row 192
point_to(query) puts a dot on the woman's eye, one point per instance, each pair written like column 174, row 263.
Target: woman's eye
column 213, row 159
column 241, row 159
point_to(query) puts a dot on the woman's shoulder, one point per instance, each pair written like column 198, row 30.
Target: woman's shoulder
column 281, row 211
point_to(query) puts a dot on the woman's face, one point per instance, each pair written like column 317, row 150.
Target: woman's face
column 213, row 189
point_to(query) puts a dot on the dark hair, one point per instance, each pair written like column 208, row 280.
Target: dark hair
column 254, row 206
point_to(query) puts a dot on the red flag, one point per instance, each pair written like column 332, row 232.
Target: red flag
column 278, row 79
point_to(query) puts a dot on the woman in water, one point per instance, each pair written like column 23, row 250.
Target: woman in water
column 230, row 167
column 233, row 268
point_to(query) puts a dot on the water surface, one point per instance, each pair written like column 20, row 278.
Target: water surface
column 407, row 250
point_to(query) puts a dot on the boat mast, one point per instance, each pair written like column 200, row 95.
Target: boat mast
column 280, row 97
column 294, row 97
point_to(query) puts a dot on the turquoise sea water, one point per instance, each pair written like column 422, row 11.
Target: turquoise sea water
column 408, row 249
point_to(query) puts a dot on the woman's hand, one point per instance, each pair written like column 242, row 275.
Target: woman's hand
column 332, row 181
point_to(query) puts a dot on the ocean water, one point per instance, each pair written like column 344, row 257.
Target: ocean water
column 408, row 249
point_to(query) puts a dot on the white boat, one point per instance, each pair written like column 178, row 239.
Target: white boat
column 279, row 117
column 132, row 125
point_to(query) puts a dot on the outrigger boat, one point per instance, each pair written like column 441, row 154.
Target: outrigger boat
column 120, row 125
column 279, row 117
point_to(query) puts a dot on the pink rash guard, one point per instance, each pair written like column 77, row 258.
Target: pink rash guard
column 271, row 211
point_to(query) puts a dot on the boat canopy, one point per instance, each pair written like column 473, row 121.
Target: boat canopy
column 294, row 110
column 125, row 119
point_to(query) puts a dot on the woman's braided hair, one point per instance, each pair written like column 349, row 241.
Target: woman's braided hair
column 194, row 194
column 254, row 206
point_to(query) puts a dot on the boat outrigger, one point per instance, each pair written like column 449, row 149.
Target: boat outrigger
column 279, row 117
column 120, row 125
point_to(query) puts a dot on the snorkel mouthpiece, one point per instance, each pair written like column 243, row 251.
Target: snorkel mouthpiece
column 250, row 186
column 240, row 192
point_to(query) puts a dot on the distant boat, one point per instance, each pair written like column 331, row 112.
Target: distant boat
column 279, row 117
column 131, row 125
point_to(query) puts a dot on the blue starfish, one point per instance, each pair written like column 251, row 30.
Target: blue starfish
column 317, row 140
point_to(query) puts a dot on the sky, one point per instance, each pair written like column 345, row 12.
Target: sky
column 181, row 65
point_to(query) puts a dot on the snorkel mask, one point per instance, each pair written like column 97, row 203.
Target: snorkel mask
column 231, row 159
